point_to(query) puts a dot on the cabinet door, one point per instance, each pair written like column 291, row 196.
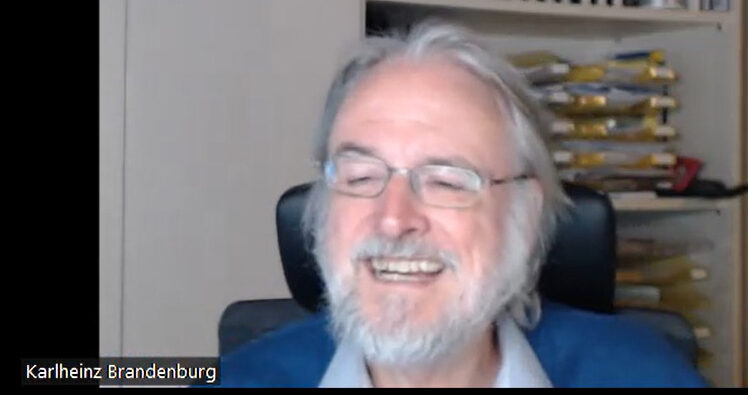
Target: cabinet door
column 222, row 100
column 111, row 143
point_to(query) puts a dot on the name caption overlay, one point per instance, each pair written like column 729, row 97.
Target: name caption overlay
column 130, row 371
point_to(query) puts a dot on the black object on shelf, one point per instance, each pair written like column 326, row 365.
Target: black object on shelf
column 712, row 189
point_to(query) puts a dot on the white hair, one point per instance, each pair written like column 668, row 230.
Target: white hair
column 510, row 285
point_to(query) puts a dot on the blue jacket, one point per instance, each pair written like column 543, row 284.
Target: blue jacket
column 576, row 348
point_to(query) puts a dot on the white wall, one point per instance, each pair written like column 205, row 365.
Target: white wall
column 222, row 97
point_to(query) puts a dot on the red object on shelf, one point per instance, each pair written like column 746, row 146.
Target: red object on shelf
column 686, row 170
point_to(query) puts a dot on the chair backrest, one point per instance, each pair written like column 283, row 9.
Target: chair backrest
column 246, row 320
column 579, row 270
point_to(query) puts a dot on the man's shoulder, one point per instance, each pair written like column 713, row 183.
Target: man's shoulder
column 582, row 348
column 296, row 355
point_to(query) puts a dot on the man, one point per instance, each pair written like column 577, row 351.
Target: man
column 430, row 220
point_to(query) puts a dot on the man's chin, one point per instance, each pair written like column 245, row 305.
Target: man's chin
column 383, row 327
column 407, row 346
column 399, row 313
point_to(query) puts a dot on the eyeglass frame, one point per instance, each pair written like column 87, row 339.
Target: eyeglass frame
column 485, row 182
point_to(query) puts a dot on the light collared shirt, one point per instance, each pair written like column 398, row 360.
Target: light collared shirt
column 519, row 365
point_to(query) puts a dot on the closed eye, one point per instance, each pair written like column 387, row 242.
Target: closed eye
column 446, row 185
column 359, row 180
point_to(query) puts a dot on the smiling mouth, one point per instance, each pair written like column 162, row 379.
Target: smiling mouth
column 412, row 270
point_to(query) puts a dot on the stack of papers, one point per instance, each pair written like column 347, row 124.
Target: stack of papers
column 609, row 131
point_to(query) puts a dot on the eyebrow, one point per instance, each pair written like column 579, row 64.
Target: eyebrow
column 454, row 160
column 348, row 147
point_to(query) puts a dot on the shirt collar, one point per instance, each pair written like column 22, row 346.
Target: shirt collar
column 519, row 364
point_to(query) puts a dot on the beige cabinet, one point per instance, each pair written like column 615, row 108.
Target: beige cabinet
column 209, row 107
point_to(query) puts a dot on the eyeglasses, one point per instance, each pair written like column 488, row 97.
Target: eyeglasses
column 434, row 185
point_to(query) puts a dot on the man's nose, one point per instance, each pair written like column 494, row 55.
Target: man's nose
column 398, row 210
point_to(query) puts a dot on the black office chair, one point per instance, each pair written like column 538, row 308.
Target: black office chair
column 579, row 270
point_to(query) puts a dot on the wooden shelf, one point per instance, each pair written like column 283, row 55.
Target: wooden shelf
column 529, row 19
column 577, row 10
column 667, row 204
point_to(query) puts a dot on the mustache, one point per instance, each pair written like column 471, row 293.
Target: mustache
column 381, row 246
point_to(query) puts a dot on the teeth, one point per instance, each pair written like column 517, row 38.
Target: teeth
column 398, row 267
column 395, row 277
column 430, row 267
column 406, row 266
column 379, row 264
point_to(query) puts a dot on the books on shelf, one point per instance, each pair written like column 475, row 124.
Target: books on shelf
column 594, row 98
column 661, row 272
column 566, row 158
column 678, row 298
column 610, row 132
column 617, row 128
column 637, row 250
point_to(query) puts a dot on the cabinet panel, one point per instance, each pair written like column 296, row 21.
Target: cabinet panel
column 223, row 97
column 111, row 138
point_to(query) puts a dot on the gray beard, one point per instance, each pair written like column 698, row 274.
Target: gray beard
column 392, row 339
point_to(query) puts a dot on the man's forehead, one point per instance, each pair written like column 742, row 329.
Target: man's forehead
column 431, row 82
column 434, row 104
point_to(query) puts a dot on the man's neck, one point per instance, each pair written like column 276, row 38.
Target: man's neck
column 475, row 365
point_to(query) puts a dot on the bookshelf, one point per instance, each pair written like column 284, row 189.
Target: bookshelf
column 583, row 10
column 704, row 47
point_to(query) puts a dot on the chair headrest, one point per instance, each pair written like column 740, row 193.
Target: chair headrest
column 579, row 269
